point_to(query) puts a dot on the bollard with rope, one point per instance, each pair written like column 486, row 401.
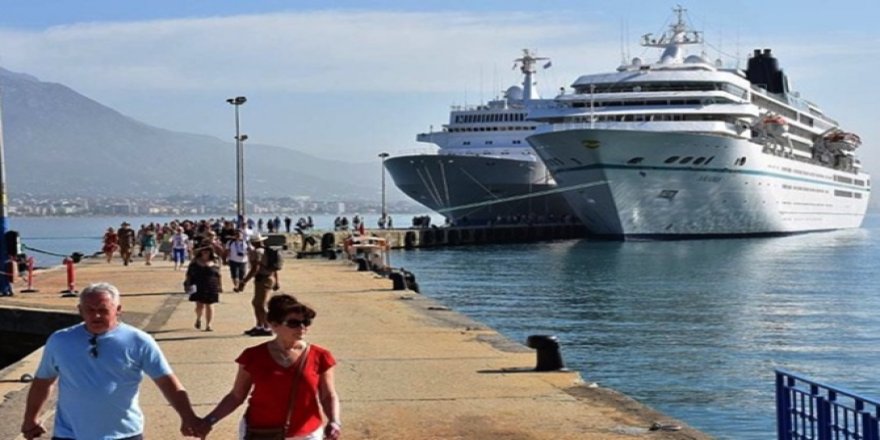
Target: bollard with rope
column 69, row 261
column 30, row 276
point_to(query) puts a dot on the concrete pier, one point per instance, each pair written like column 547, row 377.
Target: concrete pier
column 408, row 367
column 412, row 238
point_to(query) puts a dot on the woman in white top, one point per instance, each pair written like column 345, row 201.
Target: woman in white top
column 237, row 258
column 179, row 245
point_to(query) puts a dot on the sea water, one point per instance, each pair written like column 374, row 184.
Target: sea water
column 692, row 328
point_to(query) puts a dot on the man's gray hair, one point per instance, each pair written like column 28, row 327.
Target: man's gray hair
column 98, row 288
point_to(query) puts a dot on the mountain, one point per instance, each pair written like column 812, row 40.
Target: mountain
column 60, row 142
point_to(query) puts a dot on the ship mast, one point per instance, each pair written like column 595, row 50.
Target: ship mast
column 674, row 39
column 527, row 67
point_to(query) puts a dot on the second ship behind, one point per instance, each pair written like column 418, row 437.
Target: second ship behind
column 485, row 172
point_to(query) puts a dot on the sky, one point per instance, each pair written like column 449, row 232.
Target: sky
column 350, row 79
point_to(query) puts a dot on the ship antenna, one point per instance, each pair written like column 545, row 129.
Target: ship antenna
column 674, row 39
column 527, row 67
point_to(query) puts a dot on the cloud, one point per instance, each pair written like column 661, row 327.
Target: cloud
column 292, row 52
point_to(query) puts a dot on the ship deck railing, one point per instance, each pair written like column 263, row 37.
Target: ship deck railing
column 806, row 409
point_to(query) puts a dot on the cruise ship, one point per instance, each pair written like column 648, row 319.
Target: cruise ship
column 685, row 148
column 484, row 170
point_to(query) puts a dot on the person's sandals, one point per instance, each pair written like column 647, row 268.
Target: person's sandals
column 208, row 328
column 198, row 324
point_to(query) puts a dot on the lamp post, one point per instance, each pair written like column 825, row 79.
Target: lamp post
column 383, row 155
column 5, row 287
column 239, row 162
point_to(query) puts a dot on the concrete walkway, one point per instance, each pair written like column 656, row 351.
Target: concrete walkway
column 408, row 367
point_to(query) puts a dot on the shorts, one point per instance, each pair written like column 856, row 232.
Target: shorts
column 262, row 287
column 179, row 255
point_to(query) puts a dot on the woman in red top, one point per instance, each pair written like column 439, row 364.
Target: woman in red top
column 266, row 372
column 111, row 242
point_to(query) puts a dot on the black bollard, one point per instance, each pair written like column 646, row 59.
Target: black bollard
column 363, row 264
column 397, row 280
column 549, row 356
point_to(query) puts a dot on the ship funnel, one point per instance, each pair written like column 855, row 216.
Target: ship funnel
column 763, row 71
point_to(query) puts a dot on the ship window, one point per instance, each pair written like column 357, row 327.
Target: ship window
column 635, row 160
column 671, row 159
column 699, row 160
column 709, row 160
column 517, row 142
column 686, row 160
column 466, row 142
column 488, row 142
column 575, row 161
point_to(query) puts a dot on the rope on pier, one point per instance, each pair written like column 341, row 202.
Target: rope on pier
column 40, row 251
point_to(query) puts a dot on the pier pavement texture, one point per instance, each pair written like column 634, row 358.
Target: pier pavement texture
column 408, row 368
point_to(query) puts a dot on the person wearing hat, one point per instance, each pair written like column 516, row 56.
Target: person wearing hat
column 265, row 280
column 204, row 273
column 126, row 242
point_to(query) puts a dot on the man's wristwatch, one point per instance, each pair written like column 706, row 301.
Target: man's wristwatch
column 212, row 420
column 336, row 425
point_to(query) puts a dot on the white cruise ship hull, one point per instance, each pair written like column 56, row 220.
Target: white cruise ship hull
column 479, row 190
column 621, row 184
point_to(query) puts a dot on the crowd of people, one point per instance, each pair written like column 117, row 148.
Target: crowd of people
column 98, row 364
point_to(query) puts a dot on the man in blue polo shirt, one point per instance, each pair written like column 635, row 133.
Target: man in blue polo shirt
column 98, row 365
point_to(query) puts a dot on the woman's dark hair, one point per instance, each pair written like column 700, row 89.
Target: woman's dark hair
column 282, row 305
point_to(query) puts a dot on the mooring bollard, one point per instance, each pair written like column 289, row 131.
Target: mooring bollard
column 30, row 276
column 71, row 279
column 549, row 356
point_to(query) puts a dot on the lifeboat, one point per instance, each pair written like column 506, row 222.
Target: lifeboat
column 772, row 119
column 775, row 125
column 842, row 141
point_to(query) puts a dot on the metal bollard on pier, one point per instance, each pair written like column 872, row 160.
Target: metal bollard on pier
column 30, row 276
column 71, row 279
column 549, row 355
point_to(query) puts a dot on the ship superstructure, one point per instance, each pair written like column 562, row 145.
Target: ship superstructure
column 685, row 147
column 484, row 170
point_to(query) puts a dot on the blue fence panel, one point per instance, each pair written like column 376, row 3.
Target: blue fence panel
column 809, row 410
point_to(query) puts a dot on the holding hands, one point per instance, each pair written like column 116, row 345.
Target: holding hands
column 32, row 430
column 332, row 431
column 195, row 427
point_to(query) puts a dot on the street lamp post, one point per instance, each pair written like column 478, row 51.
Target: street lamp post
column 383, row 155
column 239, row 162
column 5, row 286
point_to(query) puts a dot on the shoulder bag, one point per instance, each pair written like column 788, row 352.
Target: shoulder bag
column 280, row 433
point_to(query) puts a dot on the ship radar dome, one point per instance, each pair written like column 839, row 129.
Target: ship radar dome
column 514, row 93
column 696, row 59
column 637, row 62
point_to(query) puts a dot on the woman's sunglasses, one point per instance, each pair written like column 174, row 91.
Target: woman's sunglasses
column 297, row 323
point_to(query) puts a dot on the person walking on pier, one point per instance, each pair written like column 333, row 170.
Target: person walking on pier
column 265, row 275
column 99, row 365
column 179, row 245
column 126, row 242
column 111, row 241
column 289, row 381
column 204, row 274
column 237, row 257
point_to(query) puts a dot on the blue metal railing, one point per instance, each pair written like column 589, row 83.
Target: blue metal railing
column 809, row 410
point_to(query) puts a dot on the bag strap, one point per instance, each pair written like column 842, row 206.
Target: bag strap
column 302, row 362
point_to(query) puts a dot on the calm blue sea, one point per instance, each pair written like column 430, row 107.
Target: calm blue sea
column 692, row 328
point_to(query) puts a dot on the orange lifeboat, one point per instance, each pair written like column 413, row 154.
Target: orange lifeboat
column 842, row 140
column 772, row 119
